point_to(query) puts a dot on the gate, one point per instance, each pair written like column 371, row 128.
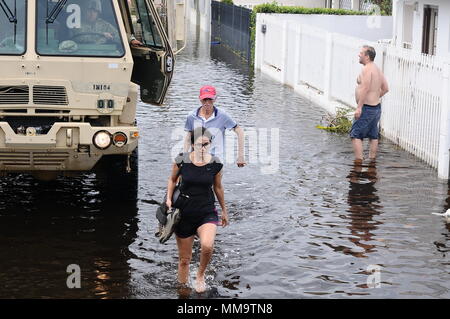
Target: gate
column 230, row 25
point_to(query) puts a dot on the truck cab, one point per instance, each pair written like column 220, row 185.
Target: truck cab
column 71, row 81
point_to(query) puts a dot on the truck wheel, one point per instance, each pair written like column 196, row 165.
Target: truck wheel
column 118, row 184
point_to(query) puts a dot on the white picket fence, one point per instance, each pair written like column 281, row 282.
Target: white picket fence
column 324, row 67
column 413, row 109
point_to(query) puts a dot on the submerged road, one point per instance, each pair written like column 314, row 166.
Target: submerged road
column 312, row 226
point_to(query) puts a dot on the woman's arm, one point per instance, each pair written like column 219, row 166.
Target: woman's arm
column 219, row 191
column 171, row 183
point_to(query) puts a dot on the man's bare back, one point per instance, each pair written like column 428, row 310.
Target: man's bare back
column 372, row 80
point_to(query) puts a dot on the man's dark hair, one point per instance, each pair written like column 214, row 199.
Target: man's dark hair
column 199, row 132
column 370, row 52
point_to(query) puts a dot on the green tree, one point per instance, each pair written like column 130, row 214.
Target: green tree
column 228, row 1
column 385, row 6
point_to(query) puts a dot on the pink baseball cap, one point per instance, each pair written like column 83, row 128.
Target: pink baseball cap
column 207, row 92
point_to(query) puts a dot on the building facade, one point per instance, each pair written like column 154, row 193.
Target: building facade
column 422, row 26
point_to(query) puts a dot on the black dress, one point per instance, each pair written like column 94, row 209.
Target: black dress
column 197, row 182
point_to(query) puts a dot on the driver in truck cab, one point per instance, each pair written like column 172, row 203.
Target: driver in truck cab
column 95, row 30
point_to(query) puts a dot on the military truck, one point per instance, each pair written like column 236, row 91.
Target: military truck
column 70, row 82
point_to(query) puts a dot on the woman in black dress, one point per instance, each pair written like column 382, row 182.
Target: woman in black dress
column 201, row 176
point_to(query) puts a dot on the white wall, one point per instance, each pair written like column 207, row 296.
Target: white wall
column 371, row 28
column 443, row 33
column 408, row 23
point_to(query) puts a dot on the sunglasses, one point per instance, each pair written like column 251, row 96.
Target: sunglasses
column 202, row 144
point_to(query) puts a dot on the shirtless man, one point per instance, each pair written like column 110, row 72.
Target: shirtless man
column 371, row 87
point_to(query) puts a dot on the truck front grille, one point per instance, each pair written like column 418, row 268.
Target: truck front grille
column 14, row 94
column 32, row 159
column 50, row 95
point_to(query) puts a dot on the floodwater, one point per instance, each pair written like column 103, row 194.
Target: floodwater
column 311, row 225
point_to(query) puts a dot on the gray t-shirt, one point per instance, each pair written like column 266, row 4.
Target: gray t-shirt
column 216, row 124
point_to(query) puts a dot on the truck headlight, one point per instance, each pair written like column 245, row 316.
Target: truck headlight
column 102, row 140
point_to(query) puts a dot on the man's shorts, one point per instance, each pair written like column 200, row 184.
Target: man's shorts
column 188, row 225
column 367, row 125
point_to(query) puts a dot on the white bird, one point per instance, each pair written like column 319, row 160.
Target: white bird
column 446, row 215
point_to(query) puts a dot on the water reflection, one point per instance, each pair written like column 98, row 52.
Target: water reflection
column 363, row 201
column 184, row 291
column 221, row 53
column 200, row 45
column 47, row 226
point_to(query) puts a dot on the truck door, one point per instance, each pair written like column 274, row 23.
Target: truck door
column 153, row 62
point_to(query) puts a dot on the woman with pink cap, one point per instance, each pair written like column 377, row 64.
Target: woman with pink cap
column 216, row 120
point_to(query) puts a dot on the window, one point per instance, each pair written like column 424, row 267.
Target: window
column 144, row 25
column 429, row 36
column 12, row 27
column 78, row 28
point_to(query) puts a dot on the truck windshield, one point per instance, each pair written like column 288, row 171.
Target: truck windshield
column 12, row 27
column 78, row 28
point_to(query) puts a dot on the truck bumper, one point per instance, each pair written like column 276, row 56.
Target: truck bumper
column 66, row 147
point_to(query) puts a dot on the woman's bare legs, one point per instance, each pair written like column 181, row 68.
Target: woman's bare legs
column 207, row 235
column 184, row 258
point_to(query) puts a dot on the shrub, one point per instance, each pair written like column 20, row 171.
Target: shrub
column 385, row 6
column 275, row 8
column 338, row 123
